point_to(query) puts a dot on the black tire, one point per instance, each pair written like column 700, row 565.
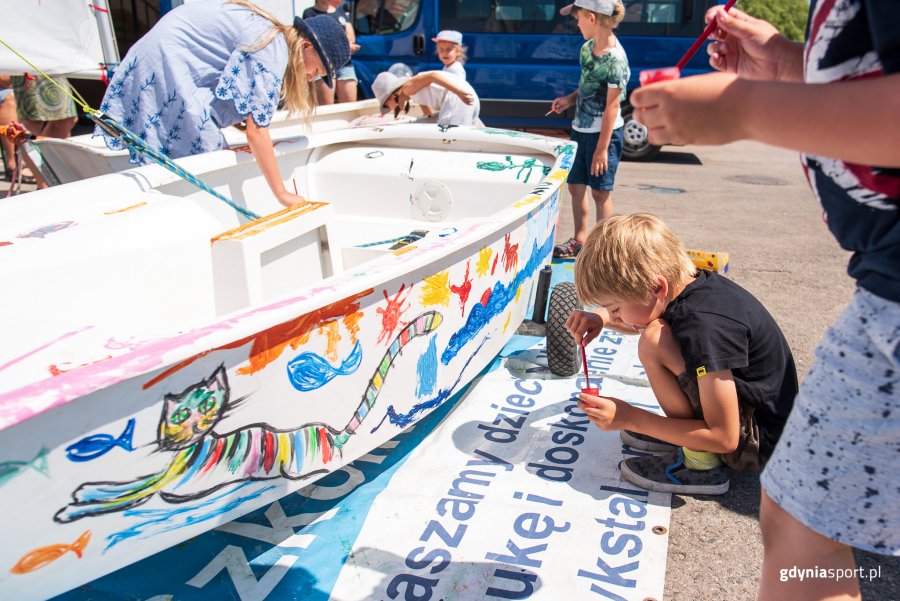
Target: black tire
column 562, row 351
column 635, row 146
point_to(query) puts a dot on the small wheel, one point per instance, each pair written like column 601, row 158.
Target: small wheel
column 635, row 145
column 562, row 350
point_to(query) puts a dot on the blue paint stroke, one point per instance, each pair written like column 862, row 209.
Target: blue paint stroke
column 427, row 369
column 403, row 420
column 500, row 297
column 41, row 232
column 97, row 445
column 165, row 520
column 309, row 371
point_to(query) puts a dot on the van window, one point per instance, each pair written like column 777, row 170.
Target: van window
column 385, row 16
column 661, row 17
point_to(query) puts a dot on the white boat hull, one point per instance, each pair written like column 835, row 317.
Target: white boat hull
column 161, row 378
column 62, row 161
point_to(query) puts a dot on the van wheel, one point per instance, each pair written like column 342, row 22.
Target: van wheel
column 562, row 351
column 636, row 147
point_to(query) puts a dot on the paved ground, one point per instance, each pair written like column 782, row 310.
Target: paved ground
column 753, row 202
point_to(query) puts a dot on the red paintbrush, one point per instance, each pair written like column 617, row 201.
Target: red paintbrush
column 649, row 76
column 588, row 389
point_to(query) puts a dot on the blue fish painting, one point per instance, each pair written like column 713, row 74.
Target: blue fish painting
column 47, row 229
column 308, row 371
column 11, row 469
column 97, row 445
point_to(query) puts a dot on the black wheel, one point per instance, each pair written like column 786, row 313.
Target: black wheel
column 636, row 147
column 562, row 351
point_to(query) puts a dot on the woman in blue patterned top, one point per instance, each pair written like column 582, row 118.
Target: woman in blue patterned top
column 208, row 65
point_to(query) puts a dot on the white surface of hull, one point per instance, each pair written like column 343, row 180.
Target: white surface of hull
column 167, row 369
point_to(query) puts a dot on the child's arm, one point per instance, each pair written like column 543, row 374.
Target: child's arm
column 426, row 78
column 717, row 432
column 599, row 162
column 260, row 143
column 351, row 37
column 854, row 121
column 559, row 105
column 584, row 326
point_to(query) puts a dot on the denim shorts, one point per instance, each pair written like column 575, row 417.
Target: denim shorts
column 581, row 166
column 346, row 73
column 835, row 467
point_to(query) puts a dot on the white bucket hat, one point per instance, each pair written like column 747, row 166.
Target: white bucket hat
column 386, row 84
column 448, row 35
column 603, row 7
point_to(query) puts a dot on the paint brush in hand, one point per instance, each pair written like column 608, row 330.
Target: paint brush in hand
column 649, row 76
column 588, row 389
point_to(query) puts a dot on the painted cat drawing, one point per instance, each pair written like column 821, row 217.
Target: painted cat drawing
column 253, row 452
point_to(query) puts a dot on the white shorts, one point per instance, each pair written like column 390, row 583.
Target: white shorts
column 835, row 467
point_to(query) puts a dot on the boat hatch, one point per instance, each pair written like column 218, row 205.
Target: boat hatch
column 272, row 256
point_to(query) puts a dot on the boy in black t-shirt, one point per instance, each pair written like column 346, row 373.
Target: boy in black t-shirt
column 717, row 362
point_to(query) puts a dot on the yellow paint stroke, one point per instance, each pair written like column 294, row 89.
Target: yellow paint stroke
column 404, row 250
column 436, row 290
column 260, row 225
column 122, row 210
column 527, row 201
column 44, row 556
column 484, row 261
column 518, row 293
column 508, row 318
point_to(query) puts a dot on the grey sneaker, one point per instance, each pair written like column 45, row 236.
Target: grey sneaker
column 642, row 442
column 667, row 473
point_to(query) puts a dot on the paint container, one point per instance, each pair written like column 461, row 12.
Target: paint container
column 591, row 391
column 649, row 76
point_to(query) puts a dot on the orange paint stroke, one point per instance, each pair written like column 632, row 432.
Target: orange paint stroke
column 123, row 209
column 404, row 250
column 260, row 225
column 37, row 559
column 332, row 336
column 351, row 322
column 268, row 345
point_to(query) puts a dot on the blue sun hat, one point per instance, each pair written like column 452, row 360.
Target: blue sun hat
column 330, row 41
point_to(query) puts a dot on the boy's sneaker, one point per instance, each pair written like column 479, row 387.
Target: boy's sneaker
column 642, row 442
column 667, row 473
column 567, row 250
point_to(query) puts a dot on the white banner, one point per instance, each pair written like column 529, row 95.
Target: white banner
column 517, row 495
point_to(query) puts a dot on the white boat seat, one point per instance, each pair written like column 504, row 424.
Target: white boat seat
column 267, row 258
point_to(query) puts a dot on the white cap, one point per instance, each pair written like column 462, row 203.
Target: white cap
column 603, row 7
column 386, row 84
column 448, row 35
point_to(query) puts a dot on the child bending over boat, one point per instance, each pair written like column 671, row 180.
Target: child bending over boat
column 718, row 363
column 448, row 96
column 209, row 65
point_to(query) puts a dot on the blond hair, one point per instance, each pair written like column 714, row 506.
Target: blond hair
column 623, row 256
column 295, row 91
column 609, row 21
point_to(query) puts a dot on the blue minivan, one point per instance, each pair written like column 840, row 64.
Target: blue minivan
column 523, row 53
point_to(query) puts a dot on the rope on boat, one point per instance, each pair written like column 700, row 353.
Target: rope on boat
column 131, row 140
